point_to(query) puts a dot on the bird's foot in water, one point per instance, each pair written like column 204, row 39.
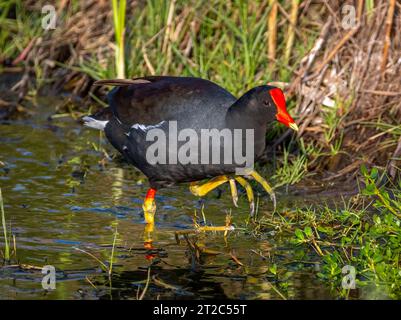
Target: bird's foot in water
column 148, row 241
column 214, row 228
column 202, row 230
column 198, row 228
column 149, row 210
column 148, row 235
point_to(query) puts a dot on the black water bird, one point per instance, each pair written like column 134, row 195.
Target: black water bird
column 141, row 108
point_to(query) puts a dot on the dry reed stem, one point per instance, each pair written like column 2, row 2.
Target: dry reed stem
column 344, row 40
column 167, row 34
column 309, row 59
column 236, row 260
column 291, row 30
column 146, row 286
column 288, row 18
column 387, row 40
column 272, row 32
column 147, row 62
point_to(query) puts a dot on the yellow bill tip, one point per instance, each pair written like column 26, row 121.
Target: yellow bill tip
column 294, row 126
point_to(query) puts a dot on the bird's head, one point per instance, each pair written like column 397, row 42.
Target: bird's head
column 272, row 100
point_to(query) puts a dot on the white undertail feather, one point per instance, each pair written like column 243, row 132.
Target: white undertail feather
column 94, row 123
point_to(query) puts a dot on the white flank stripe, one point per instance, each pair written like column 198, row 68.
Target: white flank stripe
column 143, row 127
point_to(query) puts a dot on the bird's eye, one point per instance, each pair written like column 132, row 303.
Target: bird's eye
column 266, row 102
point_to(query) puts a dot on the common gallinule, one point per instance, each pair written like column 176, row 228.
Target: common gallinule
column 142, row 108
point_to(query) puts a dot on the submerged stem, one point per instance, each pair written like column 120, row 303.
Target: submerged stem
column 3, row 222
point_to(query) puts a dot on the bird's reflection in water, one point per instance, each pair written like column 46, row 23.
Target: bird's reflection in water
column 191, row 236
column 194, row 279
column 165, row 284
column 148, row 241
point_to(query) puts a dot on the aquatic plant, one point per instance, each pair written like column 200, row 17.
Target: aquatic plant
column 292, row 168
column 107, row 268
column 3, row 223
column 363, row 234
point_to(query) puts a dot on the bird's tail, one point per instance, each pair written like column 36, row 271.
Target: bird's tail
column 94, row 123
column 98, row 120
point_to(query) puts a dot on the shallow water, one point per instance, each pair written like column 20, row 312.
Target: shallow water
column 59, row 197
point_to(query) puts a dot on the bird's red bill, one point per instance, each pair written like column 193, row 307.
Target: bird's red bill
column 279, row 100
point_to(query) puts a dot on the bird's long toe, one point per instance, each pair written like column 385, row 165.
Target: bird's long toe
column 214, row 228
column 262, row 181
column 200, row 190
column 234, row 192
column 249, row 192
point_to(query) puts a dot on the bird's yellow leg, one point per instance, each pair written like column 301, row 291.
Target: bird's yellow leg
column 249, row 192
column 149, row 206
column 148, row 235
column 225, row 229
column 265, row 185
column 201, row 190
column 149, row 210
column 234, row 192
column 217, row 228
